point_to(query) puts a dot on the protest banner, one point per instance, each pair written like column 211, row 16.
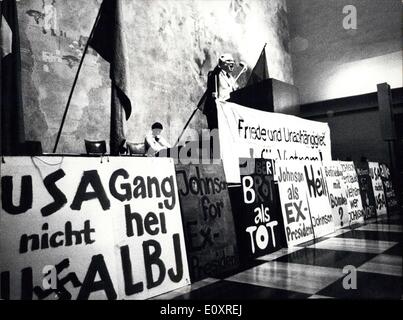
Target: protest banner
column 294, row 202
column 392, row 204
column 207, row 220
column 377, row 186
column 318, row 199
column 367, row 193
column 259, row 222
column 250, row 133
column 80, row 228
column 354, row 202
column 337, row 193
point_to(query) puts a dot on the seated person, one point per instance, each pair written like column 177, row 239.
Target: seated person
column 154, row 142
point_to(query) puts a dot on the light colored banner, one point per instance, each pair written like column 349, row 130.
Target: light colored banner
column 79, row 228
column 354, row 202
column 318, row 199
column 377, row 186
column 337, row 193
column 293, row 192
column 250, row 133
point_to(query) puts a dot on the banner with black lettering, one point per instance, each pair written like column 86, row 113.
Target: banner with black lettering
column 377, row 186
column 318, row 199
column 367, row 193
column 392, row 203
column 250, row 133
column 354, row 202
column 293, row 192
column 259, row 221
column 83, row 228
column 337, row 193
column 207, row 219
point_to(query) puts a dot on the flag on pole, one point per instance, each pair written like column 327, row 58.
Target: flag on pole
column 260, row 72
column 109, row 41
column 12, row 115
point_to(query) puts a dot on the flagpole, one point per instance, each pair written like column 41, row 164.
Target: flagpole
column 75, row 80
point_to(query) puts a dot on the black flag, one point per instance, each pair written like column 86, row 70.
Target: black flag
column 12, row 112
column 110, row 42
column 260, row 71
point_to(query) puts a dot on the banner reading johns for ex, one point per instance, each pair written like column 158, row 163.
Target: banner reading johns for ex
column 258, row 134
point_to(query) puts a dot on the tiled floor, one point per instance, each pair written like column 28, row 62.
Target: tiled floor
column 315, row 270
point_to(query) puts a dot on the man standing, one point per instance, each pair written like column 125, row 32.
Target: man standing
column 220, row 83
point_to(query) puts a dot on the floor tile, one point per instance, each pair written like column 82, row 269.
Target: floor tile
column 279, row 253
column 369, row 286
column 384, row 264
column 289, row 276
column 316, row 296
column 186, row 289
column 396, row 250
column 228, row 290
column 327, row 258
column 373, row 235
column 382, row 227
column 355, row 245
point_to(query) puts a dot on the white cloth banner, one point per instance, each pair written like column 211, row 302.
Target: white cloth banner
column 250, row 133
column 377, row 186
column 100, row 230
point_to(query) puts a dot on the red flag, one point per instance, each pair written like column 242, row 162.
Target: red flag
column 260, row 71
column 12, row 115
column 110, row 42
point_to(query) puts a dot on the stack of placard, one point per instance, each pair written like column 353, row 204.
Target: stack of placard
column 367, row 193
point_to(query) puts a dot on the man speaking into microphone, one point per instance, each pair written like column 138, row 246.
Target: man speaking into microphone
column 220, row 84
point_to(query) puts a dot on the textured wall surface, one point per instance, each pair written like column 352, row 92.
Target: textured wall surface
column 172, row 45
column 332, row 62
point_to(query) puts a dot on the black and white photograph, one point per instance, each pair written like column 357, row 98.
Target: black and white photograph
column 201, row 158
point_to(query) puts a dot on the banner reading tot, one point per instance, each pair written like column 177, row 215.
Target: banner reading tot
column 76, row 228
column 250, row 133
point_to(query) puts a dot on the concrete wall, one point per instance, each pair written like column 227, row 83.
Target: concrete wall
column 331, row 62
column 172, row 46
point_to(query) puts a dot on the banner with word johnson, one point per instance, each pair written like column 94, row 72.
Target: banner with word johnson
column 250, row 133
column 318, row 199
column 83, row 228
column 367, row 193
column 377, row 185
column 354, row 202
column 259, row 221
column 207, row 220
column 337, row 193
column 293, row 192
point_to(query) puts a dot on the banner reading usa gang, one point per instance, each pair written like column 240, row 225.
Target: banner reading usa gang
column 83, row 228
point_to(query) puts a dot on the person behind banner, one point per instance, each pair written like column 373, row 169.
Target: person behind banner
column 155, row 142
column 220, row 84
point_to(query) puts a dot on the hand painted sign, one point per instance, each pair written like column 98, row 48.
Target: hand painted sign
column 293, row 192
column 355, row 209
column 246, row 132
column 392, row 204
column 337, row 193
column 208, row 221
column 380, row 199
column 75, row 228
column 318, row 199
column 259, row 221
column 367, row 193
